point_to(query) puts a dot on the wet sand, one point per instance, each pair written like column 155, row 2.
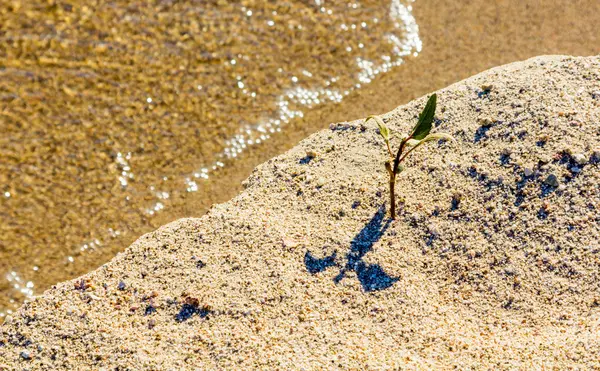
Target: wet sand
column 458, row 41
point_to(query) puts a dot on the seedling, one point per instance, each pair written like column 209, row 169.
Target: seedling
column 418, row 136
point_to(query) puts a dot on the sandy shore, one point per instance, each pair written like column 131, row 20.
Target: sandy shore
column 492, row 263
column 60, row 158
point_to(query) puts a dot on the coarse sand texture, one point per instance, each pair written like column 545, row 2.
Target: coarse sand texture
column 492, row 263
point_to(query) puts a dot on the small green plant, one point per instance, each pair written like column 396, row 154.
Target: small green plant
column 418, row 136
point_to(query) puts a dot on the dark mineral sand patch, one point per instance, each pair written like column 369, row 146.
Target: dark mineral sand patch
column 75, row 83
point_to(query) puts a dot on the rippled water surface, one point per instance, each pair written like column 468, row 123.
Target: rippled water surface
column 109, row 111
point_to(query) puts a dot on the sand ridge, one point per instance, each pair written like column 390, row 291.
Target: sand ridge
column 492, row 262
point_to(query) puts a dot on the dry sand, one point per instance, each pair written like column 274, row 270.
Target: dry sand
column 490, row 264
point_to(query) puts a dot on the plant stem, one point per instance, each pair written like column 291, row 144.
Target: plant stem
column 392, row 196
column 409, row 151
column 387, row 142
column 393, row 172
column 397, row 159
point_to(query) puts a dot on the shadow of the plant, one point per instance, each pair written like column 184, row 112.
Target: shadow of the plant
column 371, row 276
column 315, row 265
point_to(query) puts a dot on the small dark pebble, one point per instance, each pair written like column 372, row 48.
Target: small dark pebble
column 121, row 285
column 551, row 180
column 25, row 355
column 455, row 204
column 200, row 264
column 149, row 310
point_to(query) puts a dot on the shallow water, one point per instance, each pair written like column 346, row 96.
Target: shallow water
column 118, row 118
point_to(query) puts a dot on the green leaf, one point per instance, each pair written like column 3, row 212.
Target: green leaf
column 430, row 137
column 412, row 142
column 383, row 130
column 438, row 136
column 423, row 126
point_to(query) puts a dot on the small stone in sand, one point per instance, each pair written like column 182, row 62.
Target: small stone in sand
column 551, row 180
column 486, row 121
column 149, row 310
column 311, row 154
column 580, row 158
